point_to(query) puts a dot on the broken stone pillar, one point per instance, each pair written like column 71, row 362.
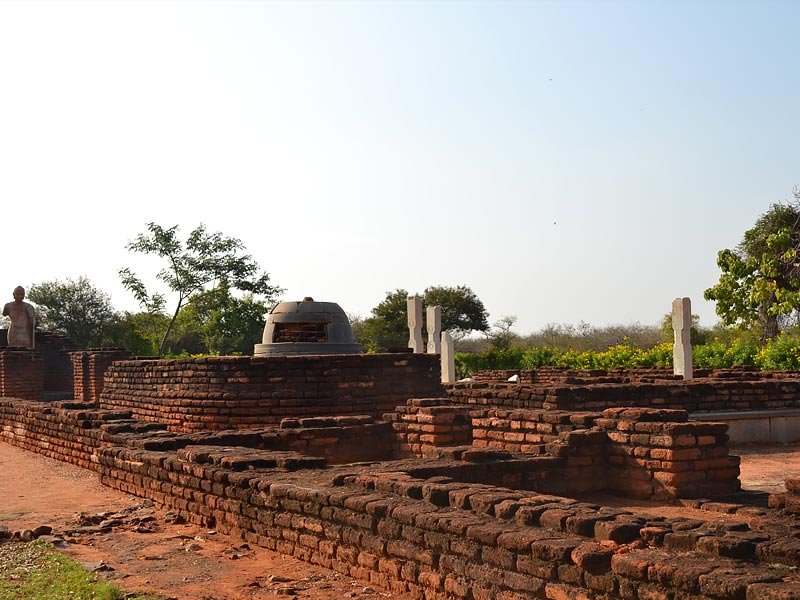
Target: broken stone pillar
column 433, row 321
column 682, row 326
column 414, row 304
column 448, row 358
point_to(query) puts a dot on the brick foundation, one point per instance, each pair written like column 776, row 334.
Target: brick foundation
column 461, row 497
column 697, row 395
column 55, row 349
column 240, row 392
column 552, row 375
column 21, row 374
column 425, row 426
column 639, row 453
column 435, row 528
column 89, row 368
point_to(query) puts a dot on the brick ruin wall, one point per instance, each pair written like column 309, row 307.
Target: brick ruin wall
column 632, row 452
column 473, row 523
column 21, row 374
column 89, row 368
column 554, row 375
column 55, row 349
column 463, row 497
column 696, row 395
column 239, row 392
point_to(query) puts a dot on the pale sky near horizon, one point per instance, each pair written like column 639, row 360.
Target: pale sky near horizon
column 569, row 161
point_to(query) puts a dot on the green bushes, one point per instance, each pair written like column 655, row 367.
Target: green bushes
column 782, row 352
column 622, row 355
column 779, row 353
column 718, row 355
column 467, row 364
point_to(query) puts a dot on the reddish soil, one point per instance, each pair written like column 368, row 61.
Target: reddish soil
column 144, row 552
column 141, row 550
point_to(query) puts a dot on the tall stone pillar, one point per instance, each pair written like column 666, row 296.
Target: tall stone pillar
column 682, row 326
column 448, row 358
column 414, row 304
column 433, row 321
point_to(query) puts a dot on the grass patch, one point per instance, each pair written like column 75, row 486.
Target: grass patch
column 37, row 571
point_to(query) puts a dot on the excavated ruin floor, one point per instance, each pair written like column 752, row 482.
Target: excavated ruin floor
column 142, row 548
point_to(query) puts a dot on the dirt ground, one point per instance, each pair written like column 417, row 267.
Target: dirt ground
column 137, row 546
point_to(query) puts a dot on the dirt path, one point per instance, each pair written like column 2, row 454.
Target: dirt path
column 140, row 550
column 764, row 468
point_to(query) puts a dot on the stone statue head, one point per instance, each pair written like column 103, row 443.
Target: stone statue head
column 19, row 293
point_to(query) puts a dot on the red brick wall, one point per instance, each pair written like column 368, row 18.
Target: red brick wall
column 698, row 395
column 241, row 392
column 406, row 530
column 635, row 452
column 21, row 374
column 89, row 368
column 524, row 430
column 424, row 426
column 551, row 375
column 660, row 454
column 57, row 364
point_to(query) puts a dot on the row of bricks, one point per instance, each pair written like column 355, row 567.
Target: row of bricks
column 278, row 489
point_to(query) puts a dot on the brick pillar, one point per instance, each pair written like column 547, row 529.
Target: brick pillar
column 80, row 376
column 425, row 425
column 21, row 374
column 99, row 361
column 89, row 370
column 659, row 453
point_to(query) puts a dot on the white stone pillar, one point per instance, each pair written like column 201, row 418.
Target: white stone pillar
column 682, row 326
column 433, row 321
column 414, row 304
column 448, row 358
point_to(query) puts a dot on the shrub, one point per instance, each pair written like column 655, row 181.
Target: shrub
column 493, row 358
column 709, row 356
column 782, row 352
column 539, row 357
column 659, row 355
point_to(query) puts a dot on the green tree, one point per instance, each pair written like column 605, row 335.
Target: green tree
column 500, row 335
column 462, row 312
column 697, row 334
column 221, row 322
column 139, row 332
column 203, row 261
column 760, row 281
column 75, row 308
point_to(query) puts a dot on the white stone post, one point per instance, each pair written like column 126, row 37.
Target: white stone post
column 448, row 358
column 682, row 326
column 433, row 321
column 414, row 304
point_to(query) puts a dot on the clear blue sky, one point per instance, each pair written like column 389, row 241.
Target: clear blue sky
column 568, row 161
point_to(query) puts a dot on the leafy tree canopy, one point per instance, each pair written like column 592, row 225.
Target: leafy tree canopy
column 217, row 322
column 462, row 312
column 75, row 308
column 760, row 281
column 203, row 261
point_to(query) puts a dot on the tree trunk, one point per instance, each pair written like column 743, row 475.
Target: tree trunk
column 769, row 327
column 169, row 328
